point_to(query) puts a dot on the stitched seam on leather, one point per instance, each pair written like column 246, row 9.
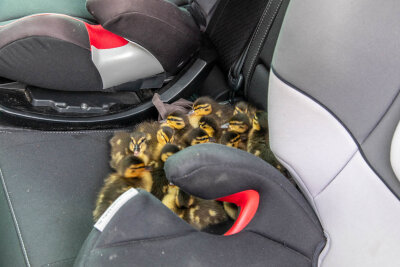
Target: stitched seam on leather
column 262, row 40
column 318, row 227
column 133, row 242
column 281, row 243
column 60, row 261
column 14, row 218
column 339, row 172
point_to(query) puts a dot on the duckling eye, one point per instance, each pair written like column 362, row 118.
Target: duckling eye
column 141, row 141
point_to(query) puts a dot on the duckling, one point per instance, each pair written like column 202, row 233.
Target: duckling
column 195, row 136
column 160, row 182
column 199, row 213
column 131, row 173
column 165, row 135
column 210, row 124
column 205, row 106
column 240, row 123
column 119, row 147
column 179, row 122
column 246, row 108
column 258, row 142
column 231, row 139
column 141, row 145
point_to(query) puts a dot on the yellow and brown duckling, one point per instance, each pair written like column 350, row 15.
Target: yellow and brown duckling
column 195, row 137
column 240, row 123
column 180, row 123
column 258, row 141
column 142, row 145
column 119, row 147
column 204, row 106
column 131, row 173
column 231, row 139
column 199, row 213
column 211, row 125
column 246, row 108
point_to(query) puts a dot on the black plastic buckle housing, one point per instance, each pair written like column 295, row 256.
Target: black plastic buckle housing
column 235, row 82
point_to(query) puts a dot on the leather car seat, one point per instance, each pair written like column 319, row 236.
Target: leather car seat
column 118, row 43
column 333, row 110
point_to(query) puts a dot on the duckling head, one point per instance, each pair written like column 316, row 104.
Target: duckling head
column 241, row 107
column 165, row 135
column 132, row 167
column 177, row 120
column 203, row 106
column 197, row 136
column 239, row 123
column 139, row 141
column 260, row 121
column 231, row 139
column 210, row 125
column 167, row 151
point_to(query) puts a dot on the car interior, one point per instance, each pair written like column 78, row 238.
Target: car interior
column 74, row 73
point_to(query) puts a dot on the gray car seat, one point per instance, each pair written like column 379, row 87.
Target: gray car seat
column 333, row 108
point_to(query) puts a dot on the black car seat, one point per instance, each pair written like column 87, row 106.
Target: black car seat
column 49, row 181
column 334, row 107
column 69, row 52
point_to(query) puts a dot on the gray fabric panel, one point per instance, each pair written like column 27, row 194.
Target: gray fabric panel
column 344, row 54
column 12, row 9
column 182, row 247
column 52, row 180
column 159, row 26
column 211, row 171
column 377, row 146
column 50, row 63
column 57, row 26
column 11, row 253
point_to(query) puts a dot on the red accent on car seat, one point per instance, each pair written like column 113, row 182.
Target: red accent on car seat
column 248, row 202
column 103, row 39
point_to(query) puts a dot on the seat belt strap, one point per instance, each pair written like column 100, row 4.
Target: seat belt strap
column 235, row 74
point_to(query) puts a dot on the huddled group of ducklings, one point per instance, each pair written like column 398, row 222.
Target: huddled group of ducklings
column 138, row 157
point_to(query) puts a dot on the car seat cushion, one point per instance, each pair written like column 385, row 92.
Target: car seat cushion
column 170, row 34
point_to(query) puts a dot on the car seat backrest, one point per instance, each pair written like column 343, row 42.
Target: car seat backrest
column 333, row 109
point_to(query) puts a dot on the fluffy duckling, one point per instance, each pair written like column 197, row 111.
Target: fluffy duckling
column 131, row 173
column 212, row 127
column 205, row 106
column 240, row 123
column 179, row 122
column 246, row 108
column 119, row 147
column 195, row 136
column 199, row 213
column 160, row 182
column 231, row 139
column 258, row 142
column 142, row 145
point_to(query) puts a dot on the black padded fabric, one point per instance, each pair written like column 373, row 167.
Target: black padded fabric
column 170, row 34
column 15, row 9
column 50, row 63
column 51, row 180
column 352, row 71
column 284, row 231
column 232, row 26
column 61, row 27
